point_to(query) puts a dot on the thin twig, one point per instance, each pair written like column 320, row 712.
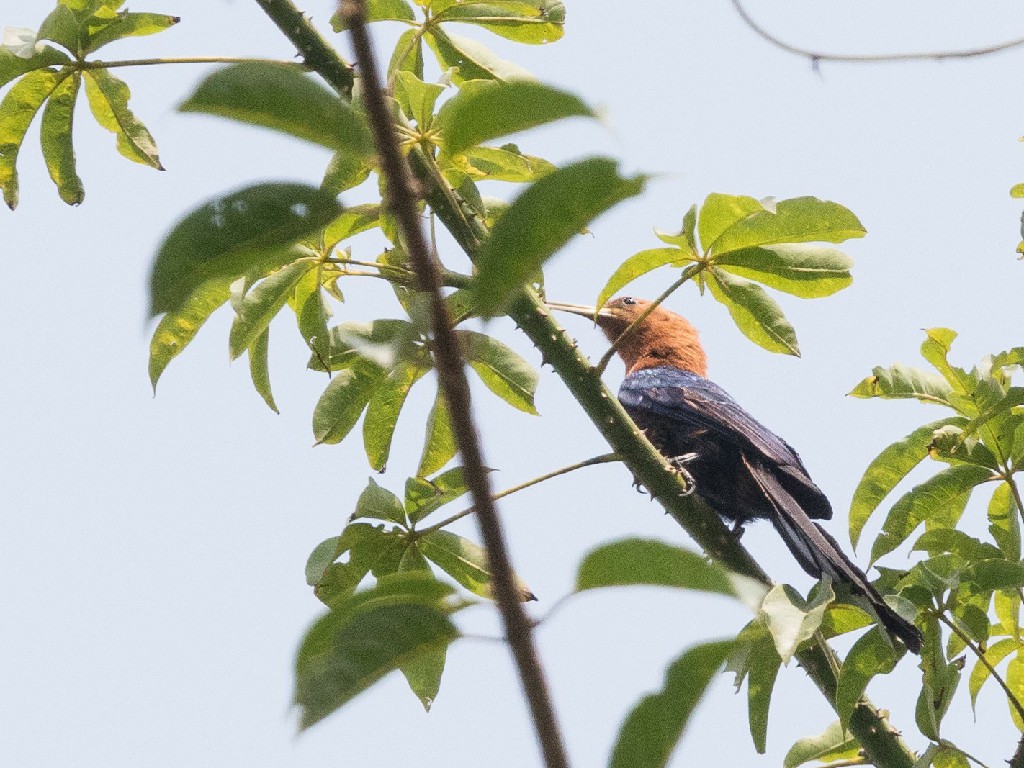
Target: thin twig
column 99, row 64
column 869, row 58
column 603, row 459
column 976, row 650
column 688, row 274
column 452, row 380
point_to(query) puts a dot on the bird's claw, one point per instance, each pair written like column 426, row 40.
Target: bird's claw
column 678, row 463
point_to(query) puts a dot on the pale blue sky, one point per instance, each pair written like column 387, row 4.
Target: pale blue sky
column 152, row 550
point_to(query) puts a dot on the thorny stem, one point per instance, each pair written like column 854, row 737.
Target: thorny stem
column 453, row 383
column 603, row 459
column 688, row 274
column 976, row 650
column 872, row 58
column 316, row 52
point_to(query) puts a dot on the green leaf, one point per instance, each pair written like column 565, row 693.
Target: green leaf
column 543, row 219
column 367, row 547
column 466, row 562
column 791, row 619
column 251, row 230
column 986, row 576
column 1004, row 521
column 312, row 312
column 259, row 368
column 12, row 66
column 55, row 137
column 439, row 446
column 262, row 303
column 719, row 212
column 65, row 27
column 646, row 561
column 940, row 683
column 1007, row 607
column 417, row 98
column 383, row 409
column 423, row 496
column 108, row 99
column 469, row 59
column 832, row 744
column 656, row 724
column 348, row 650
column 755, row 313
column 534, row 22
column 506, row 163
column 939, row 540
column 799, row 220
column 379, row 10
column 380, row 504
column 383, row 341
column 483, row 111
column 284, row 99
column 902, row 382
column 1015, row 682
column 501, row 369
column 320, row 559
column 807, row 271
column 873, row 654
column 352, row 221
column 948, row 756
column 994, row 654
column 345, row 171
column 176, row 329
column 637, row 265
column 17, row 110
column 887, row 469
column 756, row 659
column 935, row 497
column 423, row 673
column 343, row 401
column 407, row 55
column 129, row 25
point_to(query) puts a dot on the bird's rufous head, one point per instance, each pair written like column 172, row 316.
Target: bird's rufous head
column 663, row 339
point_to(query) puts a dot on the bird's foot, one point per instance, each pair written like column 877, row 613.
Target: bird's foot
column 678, row 463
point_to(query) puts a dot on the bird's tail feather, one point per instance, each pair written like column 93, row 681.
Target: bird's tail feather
column 818, row 553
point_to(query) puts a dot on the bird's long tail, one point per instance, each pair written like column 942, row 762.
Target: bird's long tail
column 818, row 553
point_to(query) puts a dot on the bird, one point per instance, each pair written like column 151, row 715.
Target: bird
column 742, row 469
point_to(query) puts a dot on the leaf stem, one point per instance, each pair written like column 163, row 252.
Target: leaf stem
column 99, row 64
column 689, row 273
column 452, row 380
column 602, row 459
column 976, row 650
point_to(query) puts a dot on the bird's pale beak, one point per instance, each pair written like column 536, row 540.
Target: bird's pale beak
column 579, row 309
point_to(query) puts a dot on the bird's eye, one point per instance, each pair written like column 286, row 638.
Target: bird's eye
column 628, row 301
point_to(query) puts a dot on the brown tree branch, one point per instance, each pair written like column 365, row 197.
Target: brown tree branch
column 817, row 56
column 451, row 374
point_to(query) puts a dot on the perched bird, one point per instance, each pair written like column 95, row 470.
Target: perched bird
column 740, row 467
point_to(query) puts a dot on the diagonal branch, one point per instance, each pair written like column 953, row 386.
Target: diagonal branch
column 452, row 379
column 882, row 744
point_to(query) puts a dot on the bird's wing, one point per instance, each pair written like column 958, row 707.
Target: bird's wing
column 685, row 397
